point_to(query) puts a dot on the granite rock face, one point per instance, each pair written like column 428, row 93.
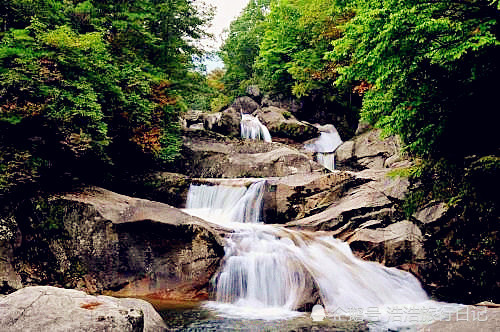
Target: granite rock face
column 98, row 240
column 368, row 150
column 219, row 157
column 44, row 308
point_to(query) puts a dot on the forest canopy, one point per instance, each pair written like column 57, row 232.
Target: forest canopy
column 92, row 82
column 425, row 70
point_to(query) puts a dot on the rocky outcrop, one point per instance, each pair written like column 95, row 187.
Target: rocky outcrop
column 281, row 123
column 393, row 245
column 245, row 105
column 298, row 196
column 46, row 308
column 368, row 150
column 209, row 157
column 171, row 188
column 431, row 213
column 225, row 123
column 98, row 240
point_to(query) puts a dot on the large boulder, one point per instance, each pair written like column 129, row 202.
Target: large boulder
column 369, row 150
column 210, row 157
column 355, row 202
column 394, row 245
column 431, row 213
column 45, row 308
column 98, row 240
column 297, row 196
column 245, row 105
column 281, row 123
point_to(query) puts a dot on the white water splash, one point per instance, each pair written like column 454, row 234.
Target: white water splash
column 252, row 128
column 225, row 204
column 328, row 141
column 327, row 160
column 325, row 146
column 269, row 270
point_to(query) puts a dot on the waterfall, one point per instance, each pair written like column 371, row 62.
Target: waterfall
column 326, row 159
column 269, row 270
column 325, row 146
column 225, row 204
column 252, row 128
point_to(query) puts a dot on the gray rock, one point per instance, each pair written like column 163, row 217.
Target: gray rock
column 392, row 245
column 253, row 90
column 345, row 151
column 355, row 202
column 132, row 246
column 245, row 105
column 210, row 158
column 282, row 123
column 368, row 150
column 229, row 123
column 45, row 308
column 197, row 126
column 431, row 213
column 9, row 278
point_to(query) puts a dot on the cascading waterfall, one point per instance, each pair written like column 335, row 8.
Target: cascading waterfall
column 325, row 146
column 327, row 160
column 269, row 270
column 226, row 204
column 252, row 128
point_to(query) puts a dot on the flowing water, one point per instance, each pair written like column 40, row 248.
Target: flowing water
column 269, row 271
column 252, row 128
column 325, row 146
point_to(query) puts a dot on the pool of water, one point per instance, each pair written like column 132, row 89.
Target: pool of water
column 179, row 317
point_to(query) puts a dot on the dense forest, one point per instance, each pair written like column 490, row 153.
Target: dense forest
column 92, row 85
column 90, row 88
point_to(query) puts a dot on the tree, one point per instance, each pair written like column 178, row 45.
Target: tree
column 83, row 81
column 427, row 70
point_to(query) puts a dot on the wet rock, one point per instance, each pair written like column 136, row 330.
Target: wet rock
column 46, row 308
column 98, row 240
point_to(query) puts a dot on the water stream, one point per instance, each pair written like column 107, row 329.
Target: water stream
column 252, row 128
column 269, row 271
column 325, row 146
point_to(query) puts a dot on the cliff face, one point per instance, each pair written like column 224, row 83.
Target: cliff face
column 99, row 241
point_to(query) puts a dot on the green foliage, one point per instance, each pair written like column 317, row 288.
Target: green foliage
column 83, row 81
column 242, row 46
column 423, row 67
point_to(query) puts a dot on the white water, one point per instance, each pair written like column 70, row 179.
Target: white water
column 225, row 204
column 252, row 128
column 325, row 146
column 328, row 141
column 327, row 159
column 268, row 270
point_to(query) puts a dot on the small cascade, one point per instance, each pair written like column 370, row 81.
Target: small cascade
column 325, row 146
column 326, row 159
column 226, row 204
column 268, row 271
column 252, row 128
